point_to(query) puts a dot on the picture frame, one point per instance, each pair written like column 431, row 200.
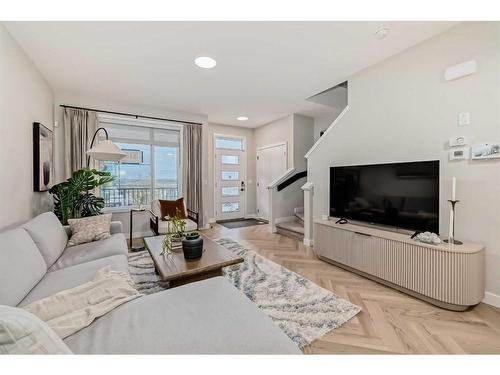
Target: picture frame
column 486, row 151
column 43, row 157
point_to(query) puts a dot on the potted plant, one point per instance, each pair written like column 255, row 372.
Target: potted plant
column 73, row 198
column 175, row 233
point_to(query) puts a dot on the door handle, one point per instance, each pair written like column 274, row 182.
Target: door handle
column 242, row 186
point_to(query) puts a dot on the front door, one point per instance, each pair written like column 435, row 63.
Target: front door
column 230, row 178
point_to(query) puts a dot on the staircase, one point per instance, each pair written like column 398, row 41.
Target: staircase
column 293, row 227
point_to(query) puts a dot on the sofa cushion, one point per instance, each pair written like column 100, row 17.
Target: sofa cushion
column 48, row 235
column 88, row 229
column 172, row 208
column 114, row 245
column 70, row 277
column 23, row 333
column 205, row 317
column 21, row 266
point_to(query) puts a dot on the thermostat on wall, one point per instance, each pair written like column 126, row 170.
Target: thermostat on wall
column 459, row 153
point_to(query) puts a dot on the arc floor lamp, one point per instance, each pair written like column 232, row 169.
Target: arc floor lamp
column 105, row 150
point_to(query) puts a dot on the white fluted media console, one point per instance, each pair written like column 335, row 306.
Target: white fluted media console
column 449, row 276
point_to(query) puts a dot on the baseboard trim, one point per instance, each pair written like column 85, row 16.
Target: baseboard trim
column 251, row 216
column 491, row 299
column 212, row 220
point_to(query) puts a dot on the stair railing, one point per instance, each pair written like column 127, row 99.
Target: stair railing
column 275, row 211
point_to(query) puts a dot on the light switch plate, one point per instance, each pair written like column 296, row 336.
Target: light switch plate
column 461, row 153
column 463, row 119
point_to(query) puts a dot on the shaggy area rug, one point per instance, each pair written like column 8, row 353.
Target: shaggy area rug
column 302, row 309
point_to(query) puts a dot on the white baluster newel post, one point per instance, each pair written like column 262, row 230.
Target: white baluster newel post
column 308, row 189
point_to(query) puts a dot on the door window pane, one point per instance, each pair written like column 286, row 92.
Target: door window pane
column 230, row 207
column 230, row 159
column 230, row 191
column 230, row 175
column 229, row 143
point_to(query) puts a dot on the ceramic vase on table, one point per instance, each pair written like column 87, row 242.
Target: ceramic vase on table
column 192, row 246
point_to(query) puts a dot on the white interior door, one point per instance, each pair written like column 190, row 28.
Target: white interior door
column 230, row 178
column 271, row 164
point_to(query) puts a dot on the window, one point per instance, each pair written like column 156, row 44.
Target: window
column 151, row 170
column 230, row 191
column 230, row 159
column 230, row 175
column 229, row 143
column 230, row 207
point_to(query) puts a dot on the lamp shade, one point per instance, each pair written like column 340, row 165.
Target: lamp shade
column 107, row 151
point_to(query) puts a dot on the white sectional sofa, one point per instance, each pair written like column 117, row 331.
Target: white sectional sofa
column 209, row 316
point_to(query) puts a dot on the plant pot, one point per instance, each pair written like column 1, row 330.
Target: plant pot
column 192, row 246
column 177, row 238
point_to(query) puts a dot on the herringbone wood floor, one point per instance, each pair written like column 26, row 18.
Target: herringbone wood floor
column 390, row 321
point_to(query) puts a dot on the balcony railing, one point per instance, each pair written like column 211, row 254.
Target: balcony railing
column 118, row 197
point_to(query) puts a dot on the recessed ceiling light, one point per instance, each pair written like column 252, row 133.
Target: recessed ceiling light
column 382, row 33
column 205, row 62
column 242, row 118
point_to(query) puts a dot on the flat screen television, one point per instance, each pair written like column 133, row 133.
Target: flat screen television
column 402, row 195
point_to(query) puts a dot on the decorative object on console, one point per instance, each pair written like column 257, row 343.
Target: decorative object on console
column 486, row 151
column 451, row 235
column 43, row 165
column 192, row 246
column 428, row 237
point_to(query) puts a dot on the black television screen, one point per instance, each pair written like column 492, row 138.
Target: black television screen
column 403, row 195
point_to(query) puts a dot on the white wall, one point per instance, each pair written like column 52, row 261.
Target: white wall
column 402, row 110
column 250, row 157
column 25, row 97
column 141, row 220
column 303, row 139
column 322, row 123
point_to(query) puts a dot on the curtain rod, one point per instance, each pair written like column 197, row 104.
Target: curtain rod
column 131, row 115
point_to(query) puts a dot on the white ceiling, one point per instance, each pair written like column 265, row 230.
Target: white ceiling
column 264, row 70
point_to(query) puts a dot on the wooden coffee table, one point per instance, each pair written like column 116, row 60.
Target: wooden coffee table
column 178, row 271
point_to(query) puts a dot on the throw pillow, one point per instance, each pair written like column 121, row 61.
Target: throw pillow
column 88, row 229
column 172, row 208
column 23, row 333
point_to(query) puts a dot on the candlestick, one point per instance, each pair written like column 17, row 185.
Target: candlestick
column 451, row 236
column 454, row 189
